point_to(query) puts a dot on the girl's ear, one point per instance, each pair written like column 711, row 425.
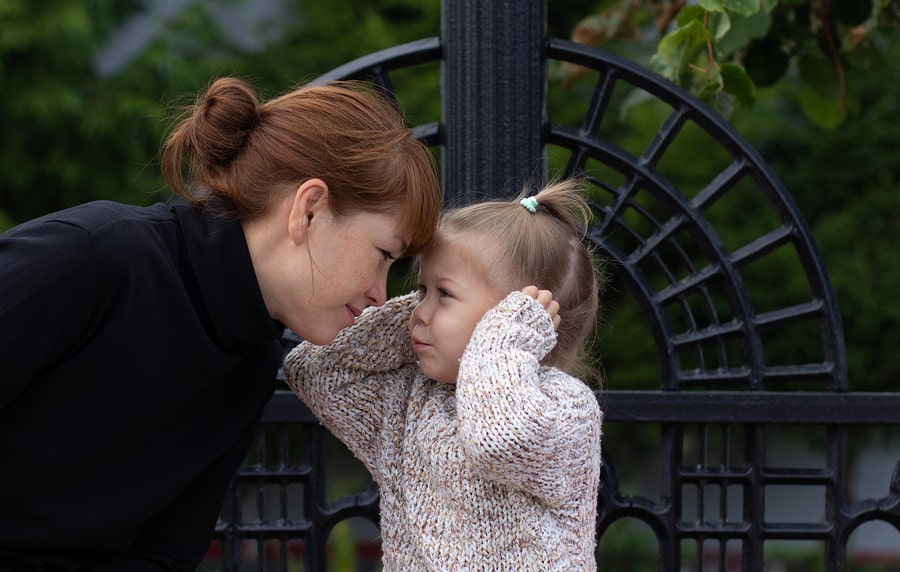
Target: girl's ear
column 310, row 201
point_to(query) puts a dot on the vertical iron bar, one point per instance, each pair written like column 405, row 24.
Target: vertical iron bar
column 725, row 436
column 836, row 499
column 493, row 84
column 229, row 553
column 723, row 554
column 671, row 485
column 316, row 545
column 754, row 496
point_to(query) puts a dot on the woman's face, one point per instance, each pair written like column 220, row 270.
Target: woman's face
column 345, row 270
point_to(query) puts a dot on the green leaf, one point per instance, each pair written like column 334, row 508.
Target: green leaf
column 721, row 102
column 820, row 108
column 678, row 48
column 820, row 97
column 709, row 91
column 688, row 14
column 744, row 31
column 743, row 7
column 721, row 24
column 819, row 73
column 712, row 5
column 766, row 62
column 736, row 82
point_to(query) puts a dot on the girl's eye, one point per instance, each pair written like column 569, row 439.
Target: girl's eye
column 387, row 254
column 421, row 291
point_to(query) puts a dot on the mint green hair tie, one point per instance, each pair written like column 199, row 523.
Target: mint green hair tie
column 529, row 203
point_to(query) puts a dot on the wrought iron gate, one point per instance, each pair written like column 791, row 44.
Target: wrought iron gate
column 708, row 302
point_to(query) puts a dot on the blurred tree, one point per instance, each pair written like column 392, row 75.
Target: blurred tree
column 846, row 181
column 74, row 135
column 723, row 50
column 822, row 109
column 77, row 133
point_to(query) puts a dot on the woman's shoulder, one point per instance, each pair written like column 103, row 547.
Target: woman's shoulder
column 97, row 216
column 96, row 229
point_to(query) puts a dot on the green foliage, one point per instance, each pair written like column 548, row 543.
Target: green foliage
column 627, row 545
column 77, row 134
column 80, row 136
column 723, row 50
column 839, row 164
column 846, row 182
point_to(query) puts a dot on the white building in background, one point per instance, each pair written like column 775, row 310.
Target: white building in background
column 248, row 24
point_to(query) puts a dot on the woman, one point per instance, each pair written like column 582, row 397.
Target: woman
column 140, row 344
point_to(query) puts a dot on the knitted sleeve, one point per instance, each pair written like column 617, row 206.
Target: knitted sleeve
column 522, row 424
column 355, row 385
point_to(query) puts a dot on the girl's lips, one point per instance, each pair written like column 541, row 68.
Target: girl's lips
column 418, row 344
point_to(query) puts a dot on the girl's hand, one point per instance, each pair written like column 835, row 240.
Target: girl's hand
column 545, row 297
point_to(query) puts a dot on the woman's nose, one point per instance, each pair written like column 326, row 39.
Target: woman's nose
column 377, row 293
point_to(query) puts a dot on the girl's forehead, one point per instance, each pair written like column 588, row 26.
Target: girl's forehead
column 478, row 259
column 474, row 248
column 445, row 255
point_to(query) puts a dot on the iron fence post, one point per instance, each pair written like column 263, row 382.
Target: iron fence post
column 493, row 83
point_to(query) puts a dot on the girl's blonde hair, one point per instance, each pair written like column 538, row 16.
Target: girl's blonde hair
column 242, row 153
column 515, row 248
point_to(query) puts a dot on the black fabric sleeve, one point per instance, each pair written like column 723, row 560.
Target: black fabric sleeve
column 47, row 287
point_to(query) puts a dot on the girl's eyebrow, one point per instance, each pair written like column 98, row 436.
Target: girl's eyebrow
column 449, row 281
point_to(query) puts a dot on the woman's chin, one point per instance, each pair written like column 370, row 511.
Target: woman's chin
column 318, row 337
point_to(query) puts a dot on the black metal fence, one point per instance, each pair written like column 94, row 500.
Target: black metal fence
column 712, row 305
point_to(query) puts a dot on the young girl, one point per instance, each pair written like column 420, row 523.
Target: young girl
column 457, row 397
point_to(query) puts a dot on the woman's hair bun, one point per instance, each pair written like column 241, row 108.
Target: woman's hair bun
column 224, row 117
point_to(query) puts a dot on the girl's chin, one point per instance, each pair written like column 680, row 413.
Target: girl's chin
column 438, row 376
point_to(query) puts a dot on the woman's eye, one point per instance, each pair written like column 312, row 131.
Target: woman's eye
column 387, row 254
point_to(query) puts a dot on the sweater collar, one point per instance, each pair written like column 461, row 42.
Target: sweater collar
column 219, row 259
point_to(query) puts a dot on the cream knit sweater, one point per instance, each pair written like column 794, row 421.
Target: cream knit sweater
column 498, row 473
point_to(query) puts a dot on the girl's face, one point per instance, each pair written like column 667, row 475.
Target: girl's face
column 346, row 270
column 453, row 297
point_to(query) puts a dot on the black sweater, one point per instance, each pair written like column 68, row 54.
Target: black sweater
column 136, row 358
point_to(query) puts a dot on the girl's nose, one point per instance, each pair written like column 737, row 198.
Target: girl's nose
column 422, row 312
